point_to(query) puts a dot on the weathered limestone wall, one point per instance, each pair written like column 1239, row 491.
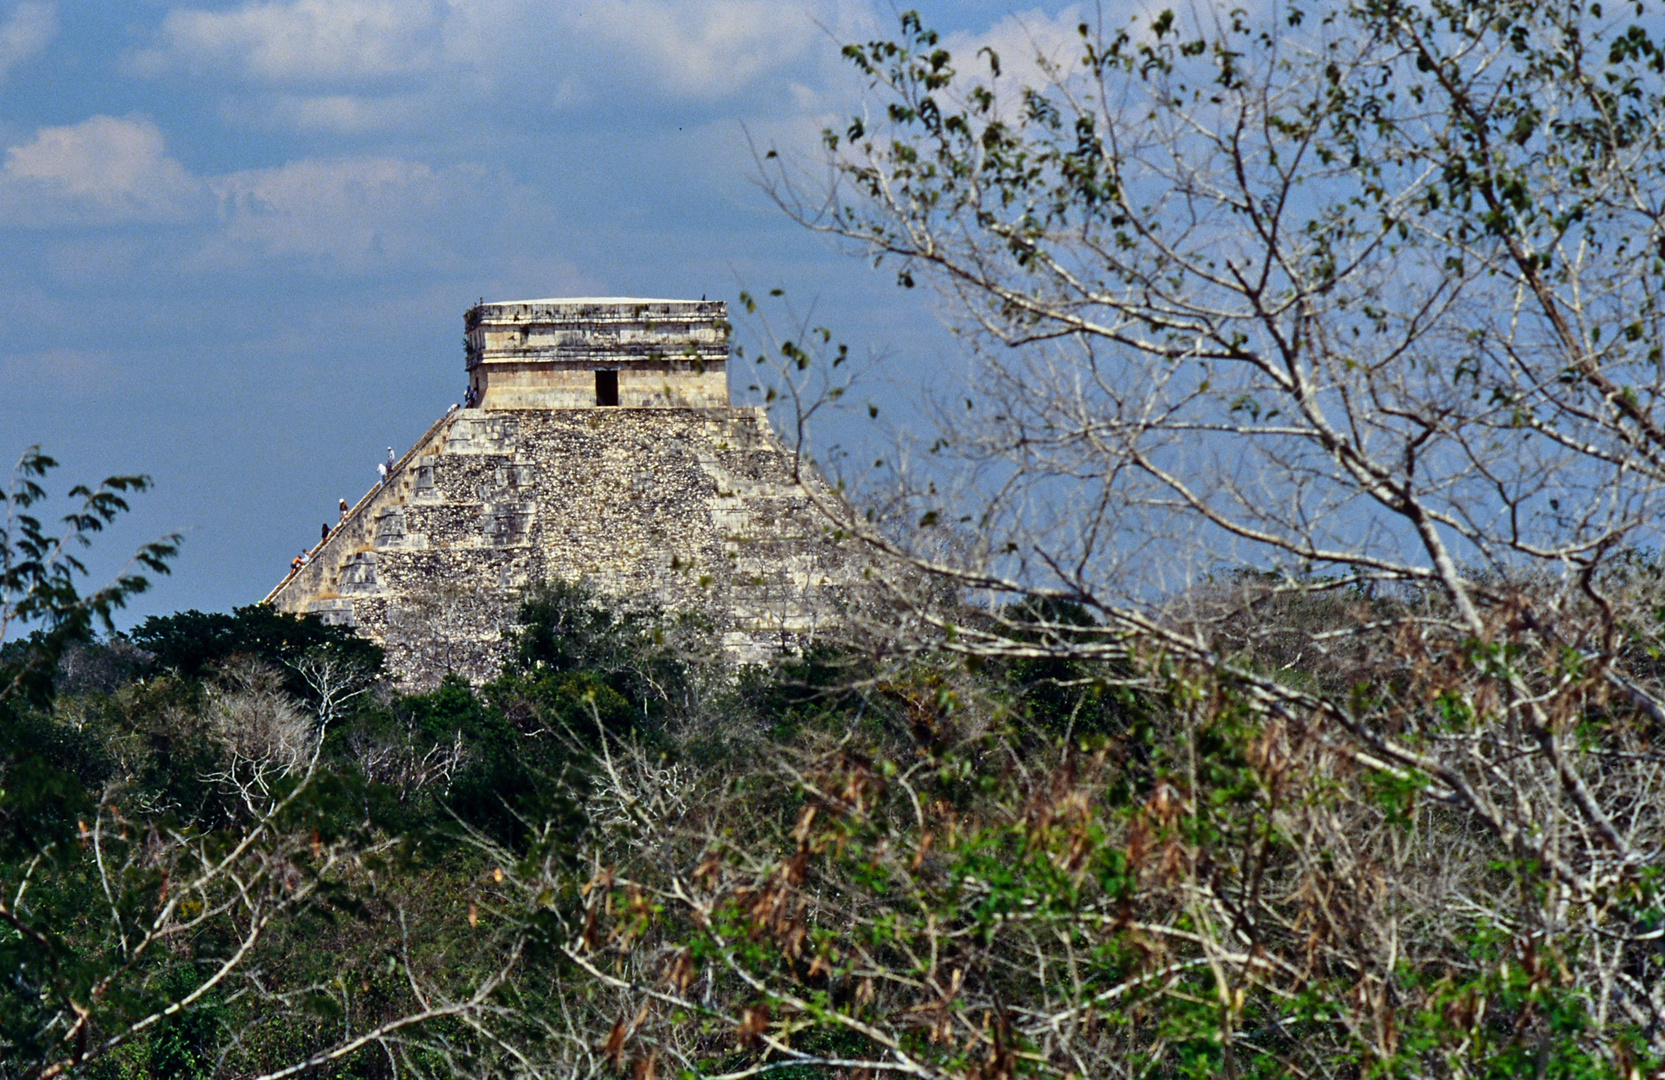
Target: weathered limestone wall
column 688, row 508
column 649, row 386
column 527, row 354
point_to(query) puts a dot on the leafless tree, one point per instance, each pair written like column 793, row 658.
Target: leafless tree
column 198, row 917
column 1332, row 334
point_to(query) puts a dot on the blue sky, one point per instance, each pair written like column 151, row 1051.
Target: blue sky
column 238, row 239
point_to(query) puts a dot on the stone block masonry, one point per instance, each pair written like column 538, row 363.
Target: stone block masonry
column 689, row 507
column 557, row 353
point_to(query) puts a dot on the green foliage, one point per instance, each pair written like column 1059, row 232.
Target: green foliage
column 40, row 571
column 580, row 668
column 193, row 642
column 1059, row 694
column 639, row 656
column 862, row 897
column 41, row 795
column 879, row 851
column 46, row 768
column 819, row 689
column 510, row 781
column 48, row 775
column 185, row 1046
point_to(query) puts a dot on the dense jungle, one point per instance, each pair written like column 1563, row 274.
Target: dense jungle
column 232, row 849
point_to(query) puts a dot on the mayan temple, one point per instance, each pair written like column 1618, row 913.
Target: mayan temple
column 599, row 445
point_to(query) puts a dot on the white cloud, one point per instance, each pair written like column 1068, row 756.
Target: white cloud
column 690, row 50
column 352, row 213
column 29, row 28
column 700, row 50
column 342, row 114
column 1033, row 47
column 281, row 41
column 103, row 169
column 441, row 52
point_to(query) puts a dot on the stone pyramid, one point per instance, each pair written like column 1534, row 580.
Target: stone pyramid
column 599, row 445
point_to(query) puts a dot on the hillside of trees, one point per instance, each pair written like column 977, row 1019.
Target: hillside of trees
column 230, row 849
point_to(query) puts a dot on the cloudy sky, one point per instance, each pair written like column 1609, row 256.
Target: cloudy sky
column 237, row 239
